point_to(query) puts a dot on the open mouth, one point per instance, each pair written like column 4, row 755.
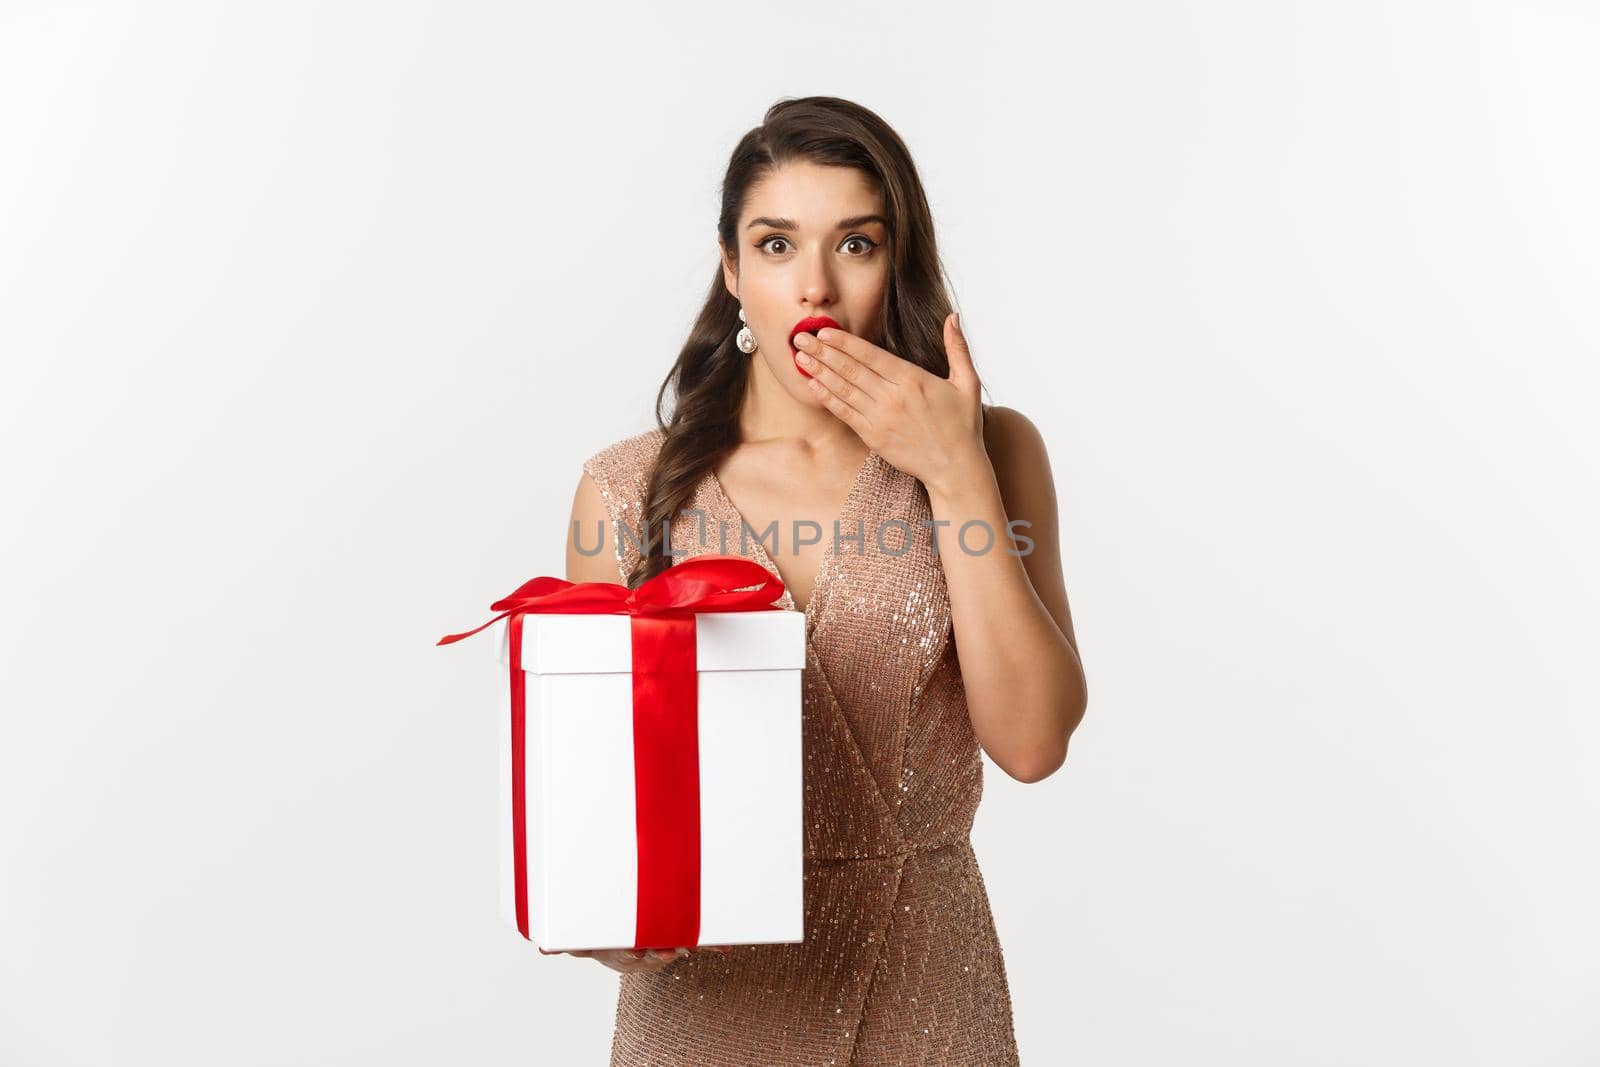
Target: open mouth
column 808, row 325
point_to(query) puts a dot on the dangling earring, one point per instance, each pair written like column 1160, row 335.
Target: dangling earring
column 746, row 340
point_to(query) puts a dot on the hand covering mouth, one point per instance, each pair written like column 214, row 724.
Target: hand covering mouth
column 808, row 325
column 812, row 325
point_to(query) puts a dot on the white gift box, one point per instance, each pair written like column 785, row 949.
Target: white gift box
column 579, row 779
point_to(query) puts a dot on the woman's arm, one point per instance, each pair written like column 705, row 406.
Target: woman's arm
column 1025, row 686
column 588, row 512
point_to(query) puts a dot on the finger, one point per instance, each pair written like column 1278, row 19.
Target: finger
column 846, row 369
column 882, row 362
column 962, row 372
column 853, row 418
column 841, row 386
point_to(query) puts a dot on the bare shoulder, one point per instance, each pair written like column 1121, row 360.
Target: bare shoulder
column 1021, row 463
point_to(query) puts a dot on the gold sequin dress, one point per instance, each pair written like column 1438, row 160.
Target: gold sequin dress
column 900, row 963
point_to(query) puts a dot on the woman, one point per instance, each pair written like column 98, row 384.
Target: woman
column 858, row 442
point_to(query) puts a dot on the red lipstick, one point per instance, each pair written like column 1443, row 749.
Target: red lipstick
column 810, row 325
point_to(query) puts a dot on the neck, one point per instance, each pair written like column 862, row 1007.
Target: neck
column 769, row 413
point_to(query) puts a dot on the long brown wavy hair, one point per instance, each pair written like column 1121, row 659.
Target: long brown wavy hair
column 708, row 379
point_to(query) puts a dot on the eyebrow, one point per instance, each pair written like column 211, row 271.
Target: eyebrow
column 790, row 224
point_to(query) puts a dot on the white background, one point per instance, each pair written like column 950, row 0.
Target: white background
column 309, row 313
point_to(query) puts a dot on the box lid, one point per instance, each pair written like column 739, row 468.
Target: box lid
column 773, row 639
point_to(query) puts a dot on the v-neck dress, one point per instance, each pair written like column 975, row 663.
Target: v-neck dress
column 900, row 963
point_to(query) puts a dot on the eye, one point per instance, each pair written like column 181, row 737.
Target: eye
column 869, row 242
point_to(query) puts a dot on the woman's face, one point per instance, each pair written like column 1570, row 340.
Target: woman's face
column 812, row 242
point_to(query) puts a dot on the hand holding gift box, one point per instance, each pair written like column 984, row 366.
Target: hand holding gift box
column 651, row 767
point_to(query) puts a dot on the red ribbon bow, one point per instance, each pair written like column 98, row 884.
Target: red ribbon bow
column 666, row 742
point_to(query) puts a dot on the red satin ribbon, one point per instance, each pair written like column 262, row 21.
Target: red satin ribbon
column 666, row 743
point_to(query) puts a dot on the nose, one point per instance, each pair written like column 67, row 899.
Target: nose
column 817, row 284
